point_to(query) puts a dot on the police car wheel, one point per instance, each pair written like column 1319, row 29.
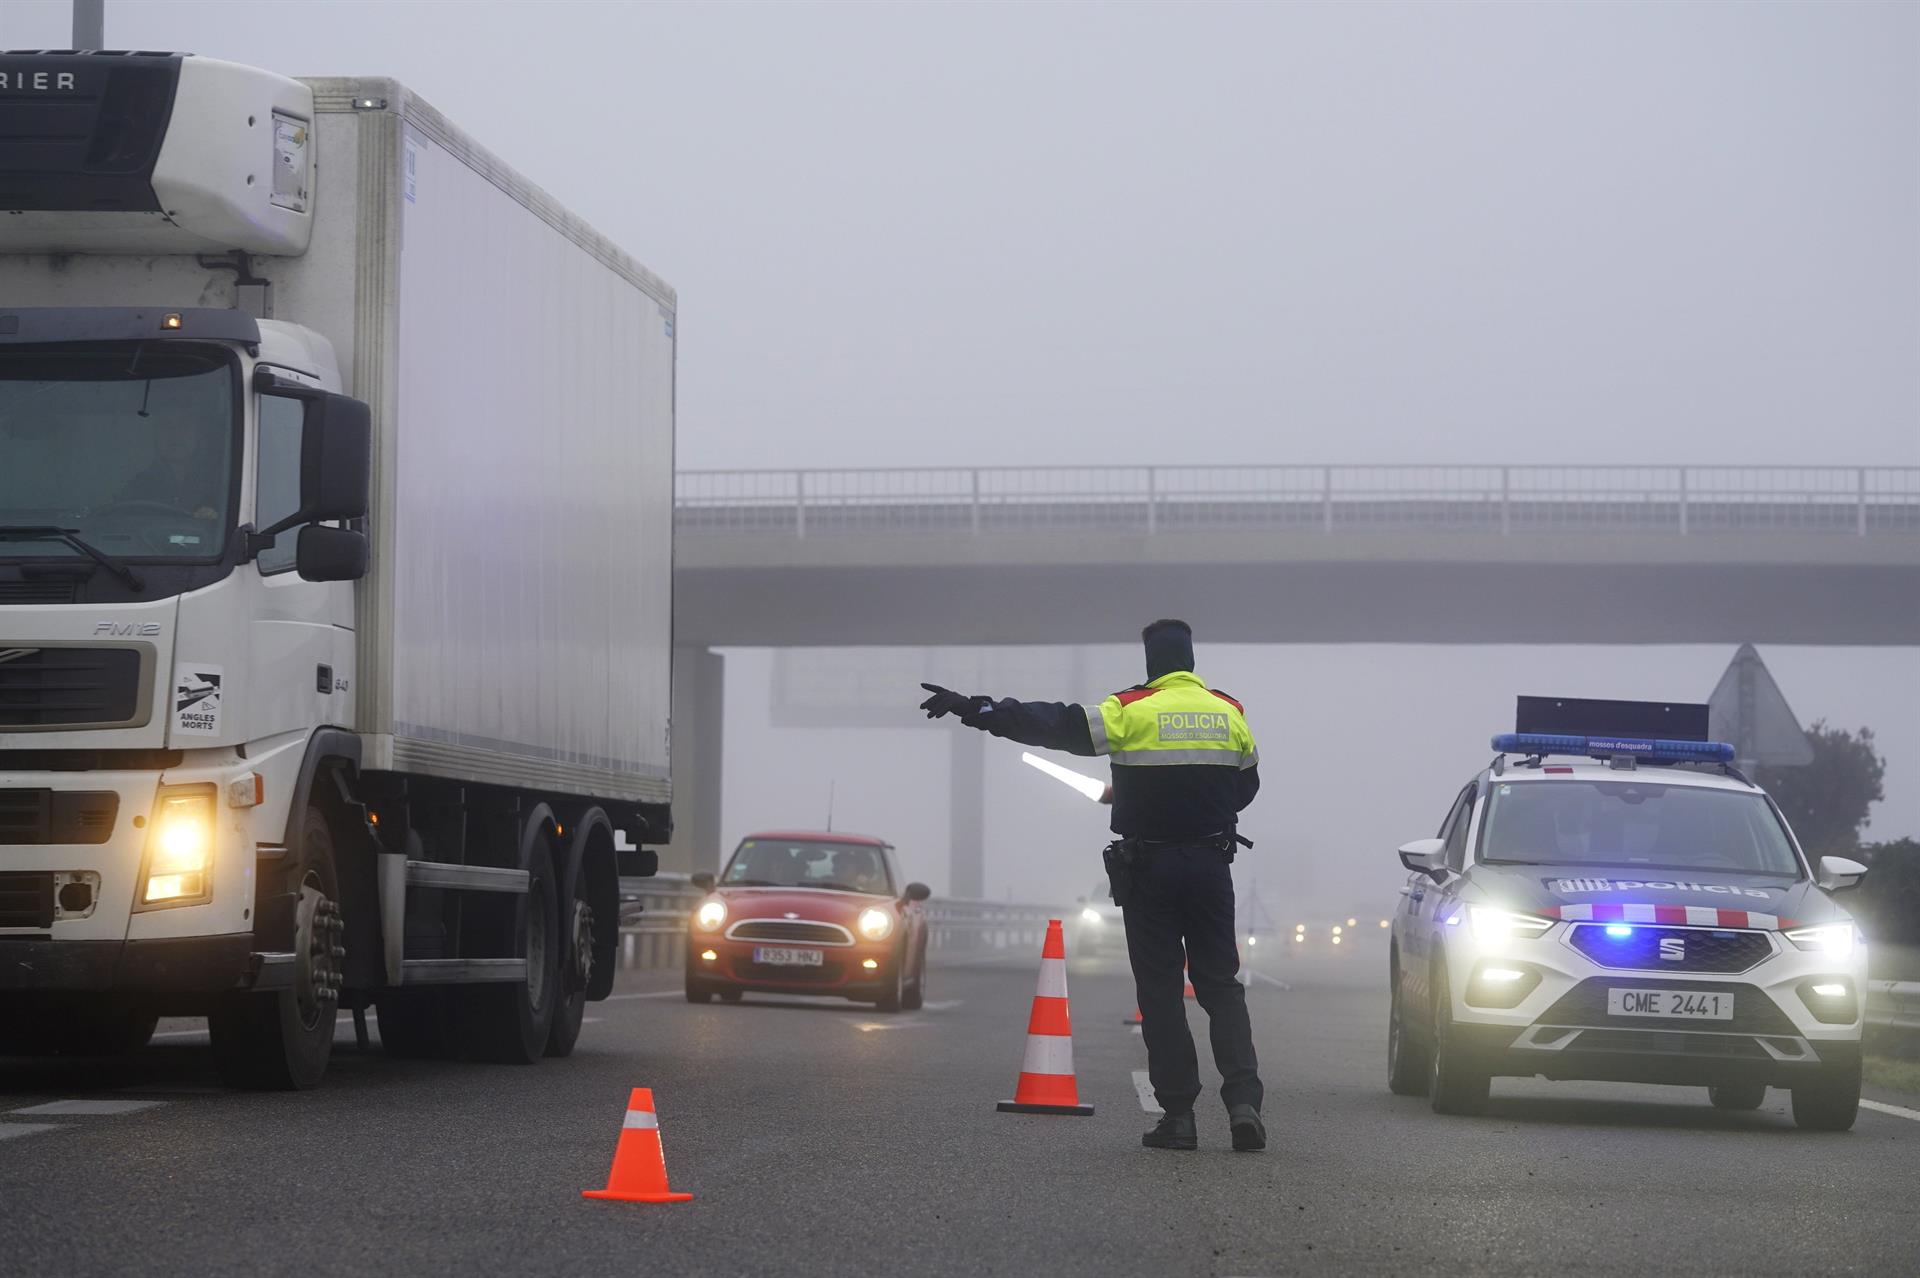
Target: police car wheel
column 1407, row 1063
column 1454, row 1084
column 1737, row 1095
column 1831, row 1102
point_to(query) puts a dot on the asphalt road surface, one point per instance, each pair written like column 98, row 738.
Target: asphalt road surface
column 828, row 1138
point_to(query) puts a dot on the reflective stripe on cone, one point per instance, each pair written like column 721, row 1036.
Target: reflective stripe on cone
column 1047, row 1084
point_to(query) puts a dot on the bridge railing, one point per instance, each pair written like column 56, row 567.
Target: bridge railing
column 1674, row 500
column 654, row 913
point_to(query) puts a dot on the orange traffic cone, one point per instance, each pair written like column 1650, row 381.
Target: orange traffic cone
column 1047, row 1085
column 1188, row 974
column 639, row 1172
column 1136, row 1019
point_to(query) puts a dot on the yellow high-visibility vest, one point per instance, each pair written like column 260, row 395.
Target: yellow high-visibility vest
column 1175, row 719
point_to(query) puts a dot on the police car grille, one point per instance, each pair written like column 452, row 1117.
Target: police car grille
column 1701, row 949
column 49, row 687
column 1585, row 1005
column 787, row 930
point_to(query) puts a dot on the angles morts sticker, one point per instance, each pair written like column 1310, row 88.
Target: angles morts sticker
column 196, row 698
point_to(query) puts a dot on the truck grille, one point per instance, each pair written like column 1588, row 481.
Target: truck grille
column 39, row 592
column 68, row 687
column 26, row 900
column 790, row 930
column 1585, row 1005
column 1702, row 949
column 57, row 816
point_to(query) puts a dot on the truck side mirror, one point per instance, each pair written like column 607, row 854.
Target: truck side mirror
column 330, row 554
column 336, row 453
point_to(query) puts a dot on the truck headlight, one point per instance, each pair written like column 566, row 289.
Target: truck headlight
column 179, row 869
column 875, row 924
column 1835, row 939
column 1491, row 926
column 711, row 914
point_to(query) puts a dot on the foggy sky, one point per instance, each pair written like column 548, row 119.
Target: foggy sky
column 979, row 234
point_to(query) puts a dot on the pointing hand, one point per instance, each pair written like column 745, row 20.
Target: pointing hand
column 944, row 701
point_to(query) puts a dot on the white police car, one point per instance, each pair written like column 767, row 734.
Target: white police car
column 1612, row 900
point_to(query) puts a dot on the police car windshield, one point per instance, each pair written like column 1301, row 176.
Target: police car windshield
column 795, row 863
column 1633, row 824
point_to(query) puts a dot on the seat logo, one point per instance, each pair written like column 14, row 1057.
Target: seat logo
column 1673, row 949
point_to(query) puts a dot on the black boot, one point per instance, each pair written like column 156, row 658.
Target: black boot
column 1173, row 1131
column 1249, row 1133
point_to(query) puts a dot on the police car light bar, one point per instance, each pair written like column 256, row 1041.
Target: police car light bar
column 1543, row 743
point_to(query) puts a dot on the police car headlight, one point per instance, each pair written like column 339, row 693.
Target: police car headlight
column 1834, row 939
column 875, row 924
column 1091, row 917
column 711, row 914
column 1491, row 925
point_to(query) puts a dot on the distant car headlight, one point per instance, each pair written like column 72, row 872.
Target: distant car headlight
column 1491, row 925
column 1835, row 939
column 875, row 924
column 1091, row 917
column 711, row 914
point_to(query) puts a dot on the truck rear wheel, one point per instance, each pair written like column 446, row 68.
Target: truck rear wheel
column 576, row 970
column 510, row 1023
column 282, row 1040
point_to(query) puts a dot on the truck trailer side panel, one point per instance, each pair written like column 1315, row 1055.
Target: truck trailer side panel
column 520, row 369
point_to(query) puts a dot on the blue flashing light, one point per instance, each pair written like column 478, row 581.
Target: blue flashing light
column 1618, row 930
column 1606, row 747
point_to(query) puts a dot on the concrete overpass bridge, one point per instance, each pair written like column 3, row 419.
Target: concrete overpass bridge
column 1278, row 554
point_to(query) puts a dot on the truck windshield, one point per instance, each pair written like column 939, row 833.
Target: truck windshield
column 130, row 445
column 846, row 867
column 1634, row 825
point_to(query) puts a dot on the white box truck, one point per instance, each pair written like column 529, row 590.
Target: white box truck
column 335, row 572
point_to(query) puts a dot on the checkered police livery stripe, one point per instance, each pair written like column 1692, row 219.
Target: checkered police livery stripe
column 1671, row 915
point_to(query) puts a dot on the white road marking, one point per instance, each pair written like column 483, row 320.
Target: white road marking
column 90, row 1107
column 1898, row 1111
column 12, row 1131
column 176, row 1089
column 944, row 1005
column 1144, row 1090
column 1133, row 1029
column 591, row 1020
column 868, row 1027
column 1271, row 980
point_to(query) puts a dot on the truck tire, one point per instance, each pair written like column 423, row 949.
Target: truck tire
column 1831, row 1102
column 1456, row 1084
column 283, row 1039
column 576, row 969
column 510, row 1023
column 1407, row 1052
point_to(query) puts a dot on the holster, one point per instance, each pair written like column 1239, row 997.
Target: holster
column 1120, row 857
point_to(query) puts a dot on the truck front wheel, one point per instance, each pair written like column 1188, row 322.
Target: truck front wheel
column 282, row 1040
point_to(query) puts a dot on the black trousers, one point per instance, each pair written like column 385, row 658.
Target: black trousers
column 1180, row 919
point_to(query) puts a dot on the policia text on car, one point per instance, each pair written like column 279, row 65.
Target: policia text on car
column 1184, row 767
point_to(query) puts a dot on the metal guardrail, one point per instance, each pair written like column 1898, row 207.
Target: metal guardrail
column 654, row 913
column 1673, row 500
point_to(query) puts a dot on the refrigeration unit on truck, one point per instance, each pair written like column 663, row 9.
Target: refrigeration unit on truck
column 335, row 572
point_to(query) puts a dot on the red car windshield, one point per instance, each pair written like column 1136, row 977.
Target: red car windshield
column 793, row 863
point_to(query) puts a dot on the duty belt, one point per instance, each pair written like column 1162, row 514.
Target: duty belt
column 1219, row 840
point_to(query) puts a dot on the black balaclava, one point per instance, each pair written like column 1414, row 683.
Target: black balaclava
column 1169, row 645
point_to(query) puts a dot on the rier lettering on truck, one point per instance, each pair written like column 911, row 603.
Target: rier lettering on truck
column 222, row 643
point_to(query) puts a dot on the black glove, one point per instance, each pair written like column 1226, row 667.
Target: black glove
column 945, row 701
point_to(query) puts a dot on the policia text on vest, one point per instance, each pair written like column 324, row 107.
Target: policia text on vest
column 1184, row 766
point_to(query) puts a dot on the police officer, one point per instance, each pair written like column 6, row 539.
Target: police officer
column 1184, row 766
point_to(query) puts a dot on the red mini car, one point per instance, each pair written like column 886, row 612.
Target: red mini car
column 799, row 913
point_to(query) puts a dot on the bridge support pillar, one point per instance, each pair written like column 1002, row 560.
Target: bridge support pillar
column 699, row 705
column 967, row 795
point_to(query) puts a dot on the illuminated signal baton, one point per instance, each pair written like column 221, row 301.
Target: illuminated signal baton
column 1095, row 790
